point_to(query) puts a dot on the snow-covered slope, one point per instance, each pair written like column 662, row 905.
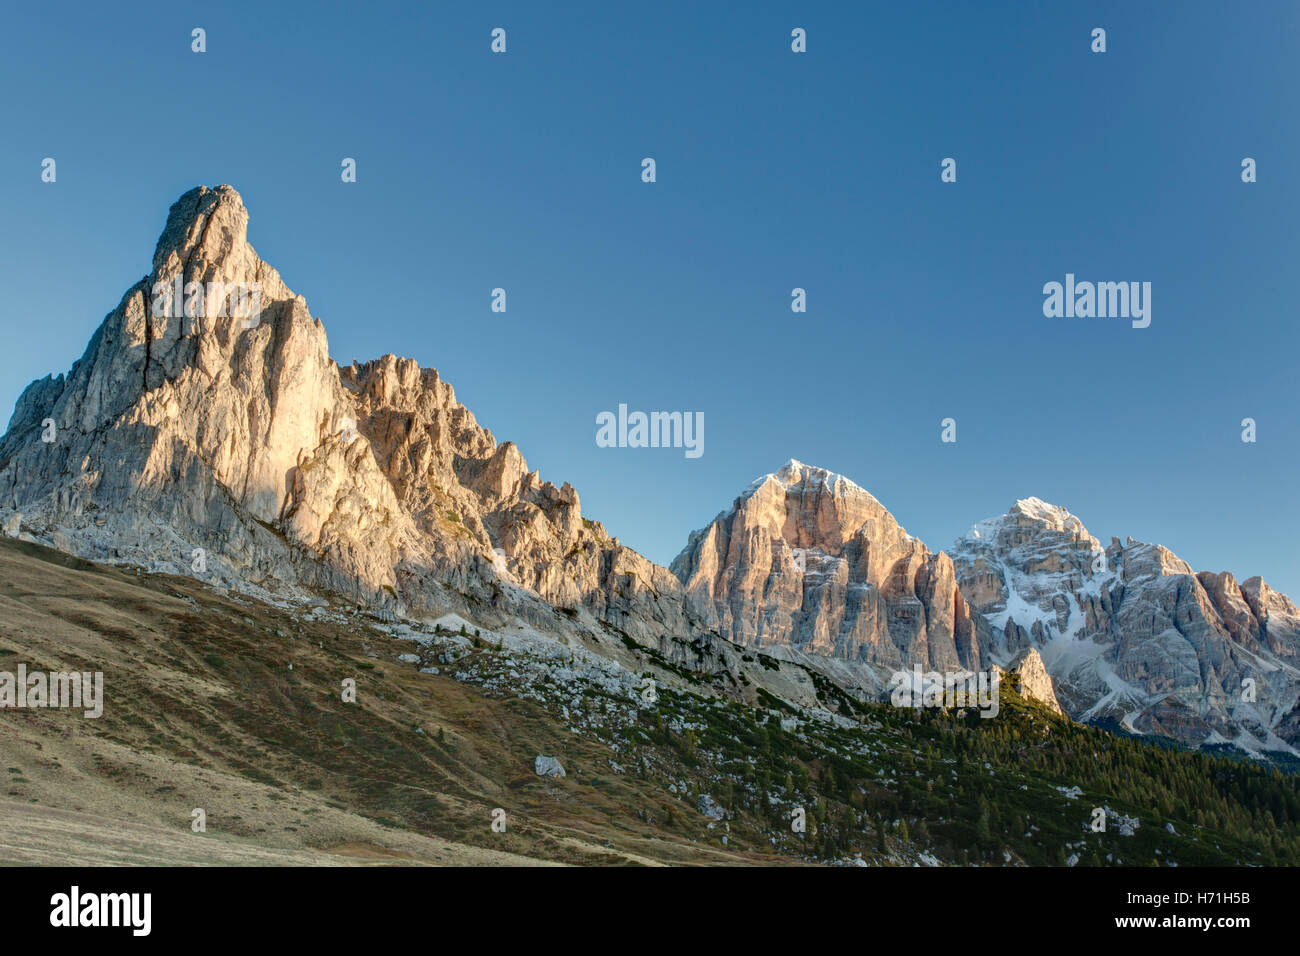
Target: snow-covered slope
column 1130, row 632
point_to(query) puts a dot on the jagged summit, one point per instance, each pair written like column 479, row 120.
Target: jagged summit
column 794, row 479
column 807, row 559
column 193, row 211
column 1027, row 512
column 196, row 437
column 1044, row 511
column 794, row 472
column 1130, row 632
column 797, row 477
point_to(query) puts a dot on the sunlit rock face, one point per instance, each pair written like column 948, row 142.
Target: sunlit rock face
column 195, row 424
column 806, row 559
column 1034, row 681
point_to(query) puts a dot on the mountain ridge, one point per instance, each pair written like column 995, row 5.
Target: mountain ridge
column 232, row 447
column 1128, row 632
column 252, row 444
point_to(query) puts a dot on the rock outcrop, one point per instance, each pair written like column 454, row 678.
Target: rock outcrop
column 547, row 767
column 1032, row 679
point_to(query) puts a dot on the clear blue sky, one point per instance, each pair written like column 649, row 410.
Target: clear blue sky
column 775, row 170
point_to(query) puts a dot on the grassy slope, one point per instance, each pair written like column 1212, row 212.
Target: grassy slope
column 204, row 710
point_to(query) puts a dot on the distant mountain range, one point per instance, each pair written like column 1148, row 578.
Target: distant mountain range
column 1129, row 633
column 230, row 446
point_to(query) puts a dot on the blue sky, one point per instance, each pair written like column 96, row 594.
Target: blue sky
column 775, row 170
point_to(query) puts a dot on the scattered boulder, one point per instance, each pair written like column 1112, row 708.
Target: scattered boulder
column 710, row 807
column 547, row 767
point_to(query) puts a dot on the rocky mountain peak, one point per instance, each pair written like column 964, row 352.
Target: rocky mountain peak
column 213, row 219
column 1027, row 520
column 807, row 559
column 795, row 474
column 1053, row 516
column 1131, row 632
column 207, row 430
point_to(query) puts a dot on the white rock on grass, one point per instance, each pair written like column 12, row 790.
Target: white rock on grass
column 547, row 767
column 710, row 808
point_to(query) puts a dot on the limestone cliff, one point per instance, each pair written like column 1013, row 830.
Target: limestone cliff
column 193, row 437
column 806, row 559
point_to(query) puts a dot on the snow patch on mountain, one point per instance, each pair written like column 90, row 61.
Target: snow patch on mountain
column 1131, row 633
